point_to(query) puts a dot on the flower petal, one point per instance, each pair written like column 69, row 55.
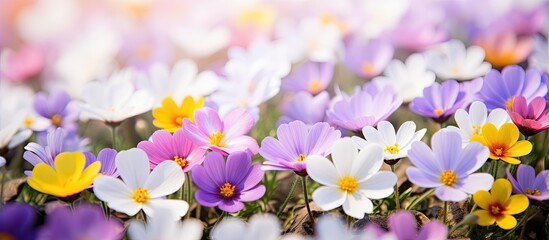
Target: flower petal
column 322, row 170
column 328, row 198
column 133, row 166
column 344, row 153
column 178, row 207
column 357, row 204
column 165, row 179
column 378, row 186
column 520, row 148
column 484, row 218
column 506, row 222
column 516, row 204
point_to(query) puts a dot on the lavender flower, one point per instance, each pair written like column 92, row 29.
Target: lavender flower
column 527, row 183
column 227, row 185
column 17, row 221
column 306, row 108
column 368, row 58
column 440, row 101
column 403, row 225
column 106, row 156
column 312, row 77
column 57, row 108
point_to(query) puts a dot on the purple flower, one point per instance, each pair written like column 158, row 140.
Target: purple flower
column 448, row 167
column 365, row 107
column 164, row 146
column 226, row 136
column 527, row 183
column 295, row 142
column 84, row 222
column 403, row 224
column 368, row 58
column 227, row 185
column 17, row 221
column 440, row 101
column 106, row 156
column 545, row 80
column 57, row 108
column 500, row 89
column 471, row 89
column 306, row 108
column 312, row 77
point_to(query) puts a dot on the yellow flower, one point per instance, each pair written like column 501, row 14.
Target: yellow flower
column 170, row 116
column 503, row 144
column 498, row 205
column 68, row 178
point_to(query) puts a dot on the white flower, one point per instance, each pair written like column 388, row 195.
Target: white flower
column 352, row 179
column 47, row 19
column 183, row 80
column 329, row 227
column 408, row 79
column 116, row 99
column 260, row 226
column 163, row 226
column 201, row 41
column 36, row 122
column 379, row 16
column 471, row 123
column 451, row 60
column 2, row 161
column 139, row 190
column 540, row 56
column 395, row 145
column 13, row 110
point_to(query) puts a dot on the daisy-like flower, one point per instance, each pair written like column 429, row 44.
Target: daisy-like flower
column 404, row 225
column 451, row 60
column 527, row 183
column 504, row 48
column 470, row 123
column 312, row 77
column 368, row 58
column 17, row 221
column 170, row 116
column 163, row 226
column 114, row 100
column 498, row 205
column 139, row 188
column 107, row 158
column 164, row 146
column 68, row 176
column 503, row 142
column 352, row 179
column 396, row 145
column 448, row 167
column 57, row 108
column 226, row 136
column 364, row 108
column 12, row 116
column 500, row 89
column 531, row 118
column 409, row 78
column 295, row 142
column 306, row 108
column 259, row 226
column 440, row 101
column 228, row 184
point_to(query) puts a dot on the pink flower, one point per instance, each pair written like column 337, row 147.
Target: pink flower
column 18, row 66
column 226, row 136
column 530, row 118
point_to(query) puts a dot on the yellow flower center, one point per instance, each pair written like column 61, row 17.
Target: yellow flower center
column 496, row 210
column 215, row 139
column 448, row 178
column 455, row 69
column 534, row 193
column 510, row 102
column 347, row 184
column 180, row 161
column 178, row 120
column 141, row 195
column 498, row 152
column 56, row 120
column 227, row 190
column 368, row 69
column 392, row 149
column 144, row 51
column 476, row 129
column 27, row 123
column 6, row 236
column 438, row 111
column 315, row 86
column 301, row 157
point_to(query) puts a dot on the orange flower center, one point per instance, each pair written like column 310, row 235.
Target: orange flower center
column 178, row 120
column 215, row 139
column 180, row 161
column 56, row 120
column 141, row 195
column 496, row 210
column 27, row 123
column 448, row 177
column 438, row 111
column 498, row 152
column 301, row 157
column 535, row 192
column 509, row 103
column 347, row 184
column 315, row 86
column 368, row 69
column 227, row 190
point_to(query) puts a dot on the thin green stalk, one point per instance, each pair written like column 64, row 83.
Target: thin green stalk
column 306, row 196
column 525, row 220
column 425, row 195
column 105, row 209
column 495, row 168
column 397, row 197
column 445, row 212
column 289, row 197
column 189, row 192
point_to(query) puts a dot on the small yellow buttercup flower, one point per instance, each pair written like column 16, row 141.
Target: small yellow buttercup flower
column 503, row 143
column 498, row 205
column 170, row 116
column 67, row 178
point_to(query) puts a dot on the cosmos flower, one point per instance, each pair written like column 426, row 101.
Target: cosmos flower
column 500, row 89
column 352, row 179
column 306, row 108
column 163, row 226
column 226, row 136
column 85, row 221
column 451, row 60
column 504, row 142
column 227, row 184
column 164, row 146
column 396, row 145
column 139, row 188
column 67, row 177
column 448, row 167
column 403, row 225
column 107, row 157
column 499, row 205
column 534, row 187
column 407, row 78
column 364, row 108
column 295, row 142
column 531, row 118
column 17, row 221
column 440, row 101
column 367, row 59
column 57, row 108
column 169, row 116
column 312, row 77
column 470, row 123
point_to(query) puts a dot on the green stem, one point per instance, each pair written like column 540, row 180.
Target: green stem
column 105, row 209
column 545, row 150
column 421, row 198
column 526, row 218
column 306, row 196
column 189, row 192
column 445, row 212
column 397, row 197
column 495, row 166
column 289, row 197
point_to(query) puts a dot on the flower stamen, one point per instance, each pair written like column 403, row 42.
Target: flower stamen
column 347, row 184
column 141, row 195
column 215, row 139
column 448, row 178
column 301, row 157
column 535, row 192
column 56, row 120
column 180, row 161
column 392, row 149
column 227, row 190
